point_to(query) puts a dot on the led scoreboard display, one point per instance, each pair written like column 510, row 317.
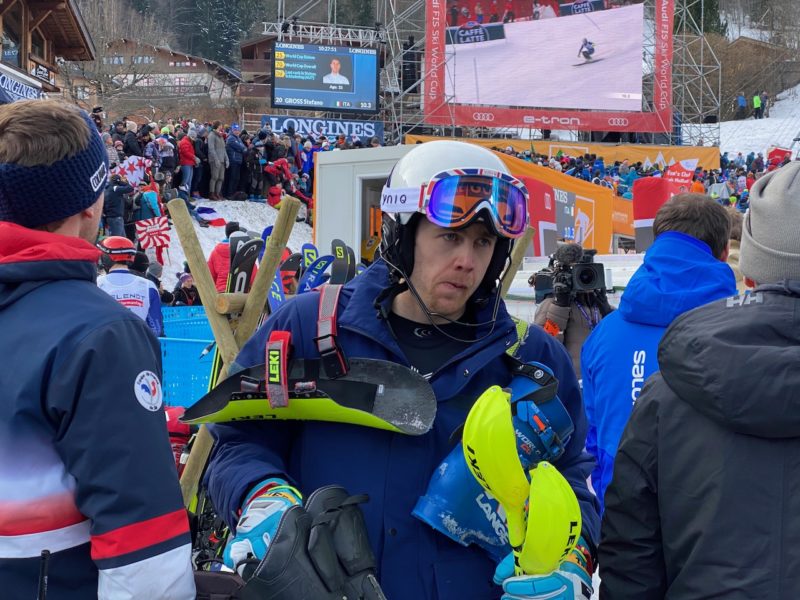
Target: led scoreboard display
column 317, row 77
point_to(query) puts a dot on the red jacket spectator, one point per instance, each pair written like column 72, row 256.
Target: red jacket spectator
column 751, row 179
column 219, row 263
column 186, row 152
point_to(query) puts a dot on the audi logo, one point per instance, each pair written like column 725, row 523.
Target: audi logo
column 618, row 122
column 485, row 117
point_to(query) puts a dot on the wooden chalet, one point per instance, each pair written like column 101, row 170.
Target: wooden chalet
column 36, row 36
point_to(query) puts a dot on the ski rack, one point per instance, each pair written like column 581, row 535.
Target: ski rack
column 230, row 336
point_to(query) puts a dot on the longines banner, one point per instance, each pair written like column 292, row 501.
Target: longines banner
column 328, row 127
column 707, row 157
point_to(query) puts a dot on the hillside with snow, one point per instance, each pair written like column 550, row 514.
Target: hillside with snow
column 251, row 216
column 751, row 135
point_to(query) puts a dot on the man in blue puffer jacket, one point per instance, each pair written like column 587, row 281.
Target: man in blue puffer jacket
column 454, row 330
column 683, row 269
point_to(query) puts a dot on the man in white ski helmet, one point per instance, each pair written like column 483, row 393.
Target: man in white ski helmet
column 430, row 302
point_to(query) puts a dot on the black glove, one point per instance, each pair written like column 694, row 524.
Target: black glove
column 602, row 302
column 562, row 288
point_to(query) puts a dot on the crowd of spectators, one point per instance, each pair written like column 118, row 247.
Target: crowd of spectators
column 729, row 185
column 226, row 162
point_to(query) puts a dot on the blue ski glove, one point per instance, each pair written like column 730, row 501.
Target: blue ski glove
column 263, row 508
column 570, row 582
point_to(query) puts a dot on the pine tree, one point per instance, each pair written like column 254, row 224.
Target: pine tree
column 356, row 12
column 706, row 15
column 712, row 21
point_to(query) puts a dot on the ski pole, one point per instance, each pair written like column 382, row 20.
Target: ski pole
column 520, row 247
column 207, row 349
column 44, row 564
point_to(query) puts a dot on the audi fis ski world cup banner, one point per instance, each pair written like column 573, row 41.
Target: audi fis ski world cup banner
column 364, row 130
column 581, row 68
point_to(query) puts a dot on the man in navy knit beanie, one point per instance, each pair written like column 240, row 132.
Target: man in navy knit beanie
column 91, row 505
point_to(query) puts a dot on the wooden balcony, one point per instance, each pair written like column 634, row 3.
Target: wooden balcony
column 255, row 66
column 253, row 90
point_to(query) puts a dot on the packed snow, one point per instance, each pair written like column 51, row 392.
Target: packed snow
column 756, row 135
column 252, row 216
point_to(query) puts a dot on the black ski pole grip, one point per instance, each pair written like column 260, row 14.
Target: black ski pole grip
column 44, row 565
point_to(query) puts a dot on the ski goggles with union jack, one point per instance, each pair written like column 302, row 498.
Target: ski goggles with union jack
column 453, row 199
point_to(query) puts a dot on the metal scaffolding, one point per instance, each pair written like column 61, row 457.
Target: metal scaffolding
column 696, row 79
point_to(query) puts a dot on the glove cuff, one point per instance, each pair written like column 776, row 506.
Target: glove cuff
column 581, row 555
column 273, row 486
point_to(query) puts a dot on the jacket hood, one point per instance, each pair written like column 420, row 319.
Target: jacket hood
column 30, row 258
column 678, row 274
column 735, row 361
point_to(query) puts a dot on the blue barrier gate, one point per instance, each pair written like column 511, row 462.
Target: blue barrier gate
column 186, row 375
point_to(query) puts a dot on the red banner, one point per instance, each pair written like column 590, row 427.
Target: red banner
column 439, row 109
column 649, row 193
column 680, row 175
column 776, row 156
column 541, row 213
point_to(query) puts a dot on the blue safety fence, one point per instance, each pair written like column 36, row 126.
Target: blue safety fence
column 186, row 374
column 182, row 312
column 195, row 328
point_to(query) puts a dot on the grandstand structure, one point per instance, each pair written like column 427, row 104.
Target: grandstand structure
column 399, row 34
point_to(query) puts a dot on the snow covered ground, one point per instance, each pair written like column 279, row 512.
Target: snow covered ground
column 537, row 64
column 252, row 216
column 782, row 126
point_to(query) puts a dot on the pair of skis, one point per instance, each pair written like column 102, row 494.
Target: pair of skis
column 373, row 393
column 245, row 251
column 313, row 270
column 342, row 263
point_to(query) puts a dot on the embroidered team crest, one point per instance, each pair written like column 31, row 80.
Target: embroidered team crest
column 147, row 388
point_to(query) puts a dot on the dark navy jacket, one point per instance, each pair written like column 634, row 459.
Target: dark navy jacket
column 235, row 148
column 414, row 561
column 678, row 274
column 86, row 469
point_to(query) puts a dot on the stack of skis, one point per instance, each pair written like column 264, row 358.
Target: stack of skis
column 299, row 272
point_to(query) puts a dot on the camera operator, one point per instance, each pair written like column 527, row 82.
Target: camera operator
column 570, row 297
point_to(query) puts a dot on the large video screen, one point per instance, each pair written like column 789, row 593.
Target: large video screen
column 589, row 60
column 319, row 77
column 549, row 64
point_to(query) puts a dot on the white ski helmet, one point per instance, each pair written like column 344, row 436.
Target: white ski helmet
column 411, row 192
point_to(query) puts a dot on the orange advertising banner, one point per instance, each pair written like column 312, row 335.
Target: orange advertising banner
column 622, row 216
column 707, row 157
column 562, row 206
